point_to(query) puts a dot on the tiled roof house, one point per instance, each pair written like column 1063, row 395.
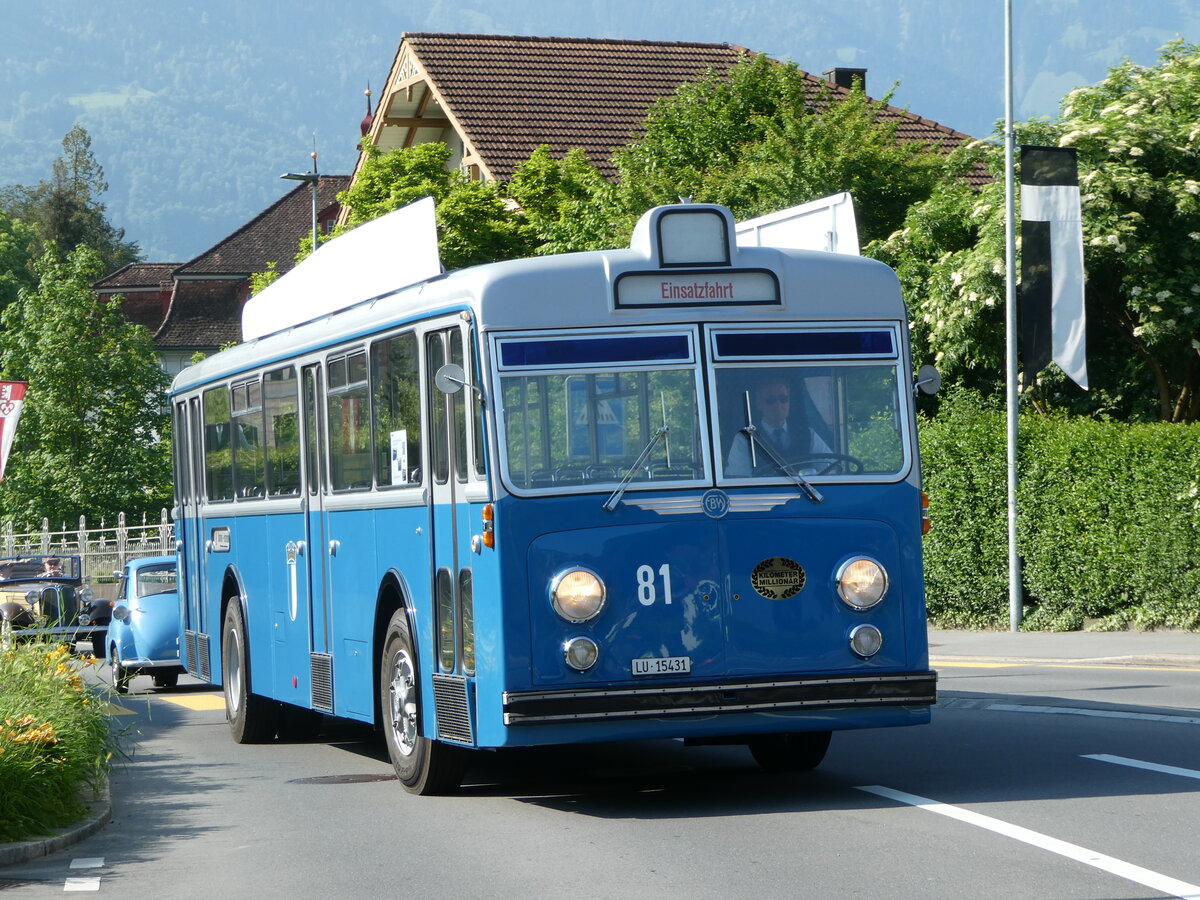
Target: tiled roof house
column 196, row 306
column 494, row 99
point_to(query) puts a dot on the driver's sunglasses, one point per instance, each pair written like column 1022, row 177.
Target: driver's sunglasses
column 777, row 398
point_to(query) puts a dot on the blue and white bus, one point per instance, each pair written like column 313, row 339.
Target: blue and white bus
column 665, row 492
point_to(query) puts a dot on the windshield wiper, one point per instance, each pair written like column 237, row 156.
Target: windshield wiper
column 803, row 483
column 611, row 503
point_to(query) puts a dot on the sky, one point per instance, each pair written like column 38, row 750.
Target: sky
column 196, row 106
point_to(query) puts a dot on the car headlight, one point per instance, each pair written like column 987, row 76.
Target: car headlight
column 577, row 595
column 861, row 582
column 120, row 613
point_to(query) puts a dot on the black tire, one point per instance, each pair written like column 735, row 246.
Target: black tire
column 121, row 676
column 423, row 765
column 98, row 645
column 166, row 679
column 252, row 719
column 798, row 751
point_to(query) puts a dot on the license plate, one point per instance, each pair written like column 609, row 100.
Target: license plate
column 662, row 665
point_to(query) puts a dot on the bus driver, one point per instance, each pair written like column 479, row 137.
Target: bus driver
column 771, row 399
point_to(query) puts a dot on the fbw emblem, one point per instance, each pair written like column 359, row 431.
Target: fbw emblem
column 715, row 503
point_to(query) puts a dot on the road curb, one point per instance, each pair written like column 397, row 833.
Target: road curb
column 99, row 814
column 1166, row 660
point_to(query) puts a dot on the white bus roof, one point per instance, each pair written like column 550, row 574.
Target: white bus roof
column 648, row 281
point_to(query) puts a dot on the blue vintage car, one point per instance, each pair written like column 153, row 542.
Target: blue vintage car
column 143, row 637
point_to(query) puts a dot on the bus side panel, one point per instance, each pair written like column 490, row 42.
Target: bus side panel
column 246, row 557
column 354, row 576
column 401, row 542
column 290, row 624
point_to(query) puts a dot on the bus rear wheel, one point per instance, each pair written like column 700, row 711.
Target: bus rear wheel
column 423, row 765
column 793, row 752
column 252, row 719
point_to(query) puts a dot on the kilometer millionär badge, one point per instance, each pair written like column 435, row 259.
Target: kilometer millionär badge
column 778, row 578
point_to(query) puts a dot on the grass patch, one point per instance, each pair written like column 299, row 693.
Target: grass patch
column 56, row 741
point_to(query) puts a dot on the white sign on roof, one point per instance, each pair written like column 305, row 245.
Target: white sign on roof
column 376, row 258
column 827, row 224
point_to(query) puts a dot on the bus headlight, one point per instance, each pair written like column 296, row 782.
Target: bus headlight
column 580, row 653
column 577, row 595
column 866, row 641
column 861, row 582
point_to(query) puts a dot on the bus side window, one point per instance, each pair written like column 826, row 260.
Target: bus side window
column 281, row 407
column 218, row 448
column 249, row 463
column 348, row 421
column 439, row 456
column 458, row 409
column 476, row 408
column 396, row 410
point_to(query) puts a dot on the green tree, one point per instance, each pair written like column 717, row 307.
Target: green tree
column 475, row 225
column 763, row 139
column 16, row 251
column 93, row 438
column 66, row 209
column 1139, row 170
column 569, row 205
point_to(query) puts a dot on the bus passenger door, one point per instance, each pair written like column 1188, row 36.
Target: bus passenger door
column 451, row 539
column 311, row 566
column 190, row 536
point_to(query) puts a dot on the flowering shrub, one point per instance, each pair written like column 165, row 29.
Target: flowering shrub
column 1138, row 145
column 55, row 739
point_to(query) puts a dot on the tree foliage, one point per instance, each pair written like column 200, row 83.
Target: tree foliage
column 763, row 139
column 1139, row 163
column 93, row 435
column 16, row 251
column 66, row 208
column 474, row 223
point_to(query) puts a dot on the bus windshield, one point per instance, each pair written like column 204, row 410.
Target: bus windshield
column 588, row 423
column 839, row 420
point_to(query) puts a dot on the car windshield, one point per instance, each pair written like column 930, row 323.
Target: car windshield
column 158, row 580
column 36, row 568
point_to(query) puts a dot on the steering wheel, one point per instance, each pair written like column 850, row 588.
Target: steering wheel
column 849, row 465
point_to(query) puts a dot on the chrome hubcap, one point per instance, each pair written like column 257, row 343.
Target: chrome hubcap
column 402, row 700
column 233, row 672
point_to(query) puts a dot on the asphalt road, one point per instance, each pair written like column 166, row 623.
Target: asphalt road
column 1039, row 778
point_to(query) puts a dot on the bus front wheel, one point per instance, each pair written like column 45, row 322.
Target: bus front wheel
column 423, row 765
column 794, row 752
column 252, row 719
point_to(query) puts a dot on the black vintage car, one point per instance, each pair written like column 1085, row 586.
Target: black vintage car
column 45, row 596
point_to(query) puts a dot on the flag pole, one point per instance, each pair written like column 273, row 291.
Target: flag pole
column 1010, row 326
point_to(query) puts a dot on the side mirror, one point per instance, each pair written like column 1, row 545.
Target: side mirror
column 929, row 380
column 450, row 379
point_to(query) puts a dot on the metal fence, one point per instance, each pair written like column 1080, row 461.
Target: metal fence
column 103, row 551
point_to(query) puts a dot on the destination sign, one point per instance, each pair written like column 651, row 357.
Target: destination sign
column 713, row 287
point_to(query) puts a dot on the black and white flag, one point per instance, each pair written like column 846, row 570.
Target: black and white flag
column 1052, row 319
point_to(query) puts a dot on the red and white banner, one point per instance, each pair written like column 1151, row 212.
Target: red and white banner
column 12, row 398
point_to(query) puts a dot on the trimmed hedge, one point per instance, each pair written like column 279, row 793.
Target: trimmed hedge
column 1108, row 525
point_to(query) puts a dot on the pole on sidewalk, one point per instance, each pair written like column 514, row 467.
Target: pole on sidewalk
column 1010, row 325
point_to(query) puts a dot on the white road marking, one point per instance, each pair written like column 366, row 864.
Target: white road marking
column 87, row 862
column 1100, row 713
column 1141, row 764
column 82, row 884
column 1153, row 880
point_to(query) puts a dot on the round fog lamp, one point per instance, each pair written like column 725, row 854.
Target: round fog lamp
column 581, row 653
column 577, row 595
column 865, row 640
column 861, row 582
